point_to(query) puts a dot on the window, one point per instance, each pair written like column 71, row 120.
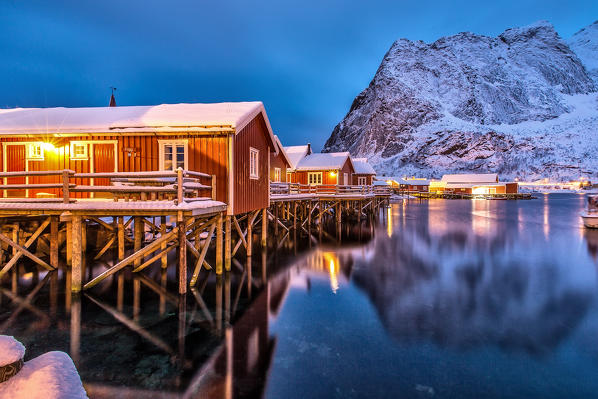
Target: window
column 173, row 155
column 276, row 174
column 79, row 150
column 314, row 178
column 362, row 181
column 35, row 151
column 254, row 163
column 346, row 179
column 288, row 177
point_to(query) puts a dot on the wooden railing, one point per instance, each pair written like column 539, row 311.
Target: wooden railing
column 180, row 185
column 281, row 188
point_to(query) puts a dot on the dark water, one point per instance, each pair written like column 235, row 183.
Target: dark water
column 468, row 299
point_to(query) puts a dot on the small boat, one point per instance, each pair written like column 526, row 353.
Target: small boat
column 590, row 215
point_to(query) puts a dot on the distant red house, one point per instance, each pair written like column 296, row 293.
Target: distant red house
column 364, row 172
column 327, row 168
column 279, row 163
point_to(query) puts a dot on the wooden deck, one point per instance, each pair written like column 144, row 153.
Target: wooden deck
column 512, row 196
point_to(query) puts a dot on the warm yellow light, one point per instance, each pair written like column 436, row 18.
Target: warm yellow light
column 333, row 279
column 332, row 174
column 48, row 146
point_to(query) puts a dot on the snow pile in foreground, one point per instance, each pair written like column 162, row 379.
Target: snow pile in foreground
column 49, row 376
column 11, row 350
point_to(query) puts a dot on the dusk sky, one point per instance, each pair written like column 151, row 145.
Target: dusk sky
column 306, row 60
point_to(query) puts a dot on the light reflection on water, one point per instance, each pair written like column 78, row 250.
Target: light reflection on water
column 464, row 299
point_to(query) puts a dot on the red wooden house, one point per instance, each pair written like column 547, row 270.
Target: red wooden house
column 279, row 163
column 364, row 172
column 232, row 141
column 326, row 168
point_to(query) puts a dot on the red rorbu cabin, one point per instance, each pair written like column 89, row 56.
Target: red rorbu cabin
column 364, row 172
column 326, row 168
column 279, row 163
column 231, row 141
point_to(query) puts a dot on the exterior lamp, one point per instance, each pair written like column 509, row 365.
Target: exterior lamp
column 332, row 174
column 48, row 146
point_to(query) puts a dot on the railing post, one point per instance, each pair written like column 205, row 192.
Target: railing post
column 214, row 187
column 179, row 185
column 66, row 195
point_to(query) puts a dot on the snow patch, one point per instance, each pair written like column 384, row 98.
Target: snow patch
column 11, row 350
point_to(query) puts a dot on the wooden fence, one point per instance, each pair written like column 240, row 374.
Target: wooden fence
column 177, row 185
column 277, row 188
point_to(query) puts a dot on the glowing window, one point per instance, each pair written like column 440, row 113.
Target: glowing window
column 79, row 151
column 314, row 178
column 35, row 151
column 173, row 155
column 362, row 181
column 277, row 174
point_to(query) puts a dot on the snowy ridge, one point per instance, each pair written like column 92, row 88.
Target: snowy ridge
column 585, row 44
column 521, row 104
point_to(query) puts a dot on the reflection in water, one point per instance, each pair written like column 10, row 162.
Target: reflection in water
column 462, row 299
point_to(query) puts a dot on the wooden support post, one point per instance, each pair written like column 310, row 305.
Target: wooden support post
column 66, row 196
column 227, row 243
column 182, row 255
column 218, row 244
column 77, row 259
column 136, row 298
column 164, row 259
column 275, row 220
column 294, row 215
column 250, row 221
column 54, row 241
column 121, row 238
column 69, row 241
column 179, row 186
column 138, row 233
column 264, row 227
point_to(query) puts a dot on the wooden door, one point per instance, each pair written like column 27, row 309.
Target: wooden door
column 15, row 159
column 103, row 162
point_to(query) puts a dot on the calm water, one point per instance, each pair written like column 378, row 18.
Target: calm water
column 468, row 299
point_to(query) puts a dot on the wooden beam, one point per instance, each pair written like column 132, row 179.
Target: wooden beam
column 264, row 227
column 219, row 243
column 138, row 233
column 77, row 260
column 154, row 258
column 164, row 259
column 202, row 256
column 131, row 258
column 182, row 253
column 227, row 243
column 28, row 243
column 25, row 252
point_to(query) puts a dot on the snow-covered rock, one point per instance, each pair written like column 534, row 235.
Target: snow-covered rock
column 585, row 44
column 520, row 104
column 11, row 350
column 49, row 376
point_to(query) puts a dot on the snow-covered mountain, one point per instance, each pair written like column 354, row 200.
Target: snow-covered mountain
column 585, row 44
column 521, row 104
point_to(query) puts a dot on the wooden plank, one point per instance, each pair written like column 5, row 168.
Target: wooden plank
column 28, row 243
column 154, row 258
column 202, row 256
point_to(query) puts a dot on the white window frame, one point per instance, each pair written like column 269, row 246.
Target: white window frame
column 35, row 151
column 84, row 156
column 346, row 179
column 254, row 163
column 314, row 178
column 277, row 174
column 362, row 180
column 174, row 144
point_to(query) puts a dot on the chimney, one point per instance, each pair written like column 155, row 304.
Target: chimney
column 308, row 148
column 112, row 99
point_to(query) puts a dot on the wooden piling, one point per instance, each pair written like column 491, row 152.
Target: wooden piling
column 138, row 233
column 250, row 220
column 76, row 260
column 182, row 255
column 164, row 258
column 218, row 244
column 227, row 243
column 264, row 227
column 54, row 224
column 121, row 237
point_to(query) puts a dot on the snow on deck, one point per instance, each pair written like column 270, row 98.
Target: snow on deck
column 49, row 376
column 108, row 205
column 108, row 119
column 11, row 350
column 325, row 161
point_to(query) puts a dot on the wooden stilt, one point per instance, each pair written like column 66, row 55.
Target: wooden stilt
column 138, row 233
column 218, row 318
column 227, row 243
column 264, row 227
column 250, row 221
column 182, row 255
column 164, row 258
column 136, row 298
column 77, row 259
column 54, row 241
column 121, row 238
column 69, row 241
column 219, row 244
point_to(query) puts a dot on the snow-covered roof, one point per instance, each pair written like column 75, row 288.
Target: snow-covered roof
column 280, row 150
column 473, row 185
column 363, row 167
column 470, row 178
column 19, row 121
column 400, row 180
column 296, row 153
column 324, row 161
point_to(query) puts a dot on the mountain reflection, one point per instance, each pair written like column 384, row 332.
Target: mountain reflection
column 471, row 280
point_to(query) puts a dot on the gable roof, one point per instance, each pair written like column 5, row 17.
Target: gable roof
column 142, row 118
column 324, row 161
column 280, row 150
column 470, row 178
column 363, row 167
column 296, row 153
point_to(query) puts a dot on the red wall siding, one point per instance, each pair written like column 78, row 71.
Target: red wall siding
column 251, row 194
column 277, row 161
column 369, row 180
